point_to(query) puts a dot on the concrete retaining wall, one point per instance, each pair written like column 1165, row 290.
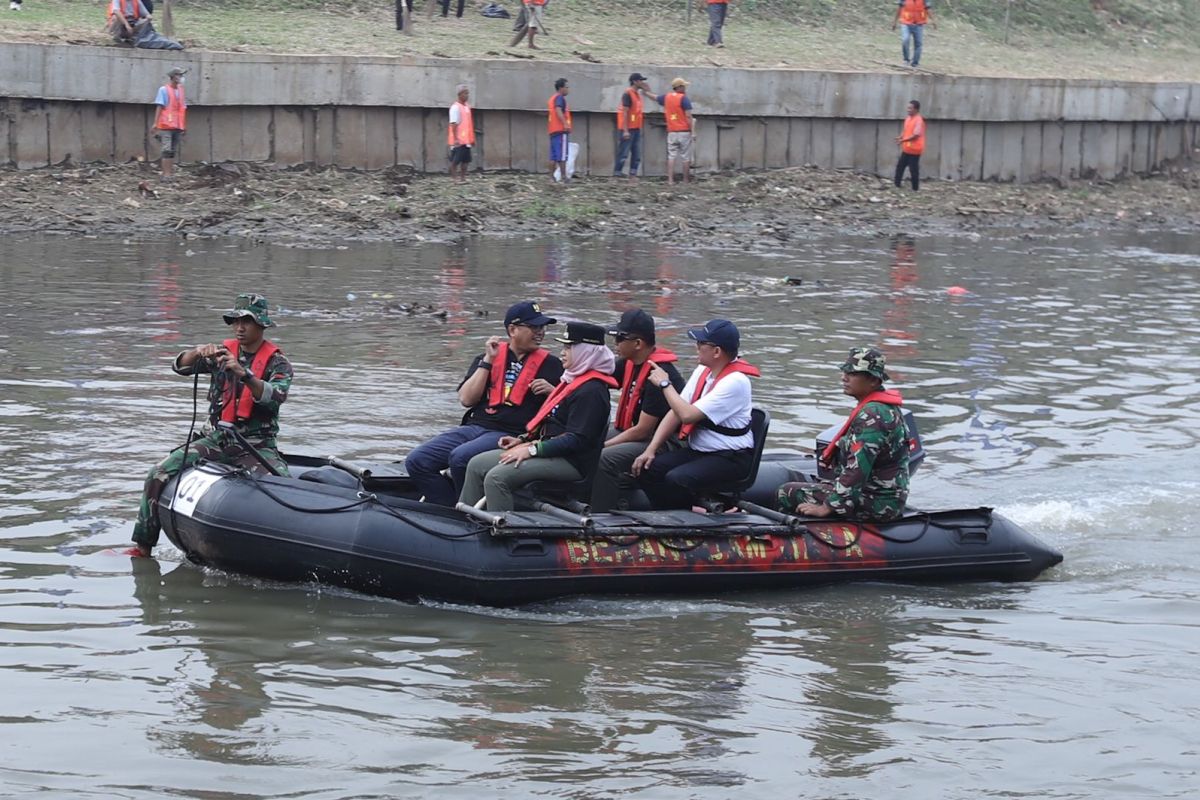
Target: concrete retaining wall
column 61, row 103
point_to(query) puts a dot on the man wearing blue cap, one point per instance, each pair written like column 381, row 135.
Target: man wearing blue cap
column 502, row 390
column 711, row 417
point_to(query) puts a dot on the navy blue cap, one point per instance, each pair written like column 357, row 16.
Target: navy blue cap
column 527, row 313
column 583, row 333
column 721, row 332
column 635, row 322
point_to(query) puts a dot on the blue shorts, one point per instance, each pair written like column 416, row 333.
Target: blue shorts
column 558, row 147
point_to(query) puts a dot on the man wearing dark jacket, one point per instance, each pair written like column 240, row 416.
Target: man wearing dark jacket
column 641, row 405
column 502, row 390
column 564, row 438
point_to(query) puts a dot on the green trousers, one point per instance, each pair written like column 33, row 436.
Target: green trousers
column 216, row 446
column 486, row 476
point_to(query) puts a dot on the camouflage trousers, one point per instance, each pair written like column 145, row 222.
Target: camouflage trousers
column 791, row 495
column 216, row 446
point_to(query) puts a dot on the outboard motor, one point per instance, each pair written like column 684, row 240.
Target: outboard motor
column 916, row 450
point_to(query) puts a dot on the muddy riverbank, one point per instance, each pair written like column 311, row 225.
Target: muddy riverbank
column 747, row 210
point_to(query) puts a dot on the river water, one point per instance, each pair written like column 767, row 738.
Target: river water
column 1061, row 388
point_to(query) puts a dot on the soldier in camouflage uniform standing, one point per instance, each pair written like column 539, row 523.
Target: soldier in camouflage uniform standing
column 870, row 452
column 250, row 381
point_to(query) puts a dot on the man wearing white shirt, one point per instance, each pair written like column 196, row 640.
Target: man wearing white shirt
column 712, row 418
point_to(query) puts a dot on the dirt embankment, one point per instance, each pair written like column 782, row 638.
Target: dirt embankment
column 747, row 210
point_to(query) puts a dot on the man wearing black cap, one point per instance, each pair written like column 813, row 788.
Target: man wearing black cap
column 629, row 126
column 250, row 380
column 640, row 408
column 502, row 390
column 563, row 440
column 711, row 417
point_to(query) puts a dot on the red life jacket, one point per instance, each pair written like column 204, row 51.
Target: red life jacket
column 553, row 123
column 562, row 391
column 130, row 9
column 913, row 12
column 676, row 115
column 173, row 116
column 634, row 111
column 529, row 370
column 889, row 397
column 737, row 365
column 914, row 126
column 239, row 411
column 465, row 128
column 632, row 387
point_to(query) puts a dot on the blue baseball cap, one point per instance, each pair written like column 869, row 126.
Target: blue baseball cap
column 721, row 332
column 527, row 313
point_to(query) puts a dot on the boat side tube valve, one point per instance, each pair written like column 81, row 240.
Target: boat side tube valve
column 362, row 473
column 582, row 521
column 790, row 520
column 495, row 520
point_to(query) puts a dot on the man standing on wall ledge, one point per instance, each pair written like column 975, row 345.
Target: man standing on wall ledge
column 170, row 119
column 461, row 135
column 912, row 144
column 912, row 14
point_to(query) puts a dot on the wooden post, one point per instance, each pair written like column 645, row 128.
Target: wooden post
column 168, row 24
column 689, row 12
column 1007, row 9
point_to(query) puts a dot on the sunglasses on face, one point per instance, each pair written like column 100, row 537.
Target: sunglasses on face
column 624, row 337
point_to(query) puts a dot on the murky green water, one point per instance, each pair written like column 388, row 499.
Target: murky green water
column 1062, row 389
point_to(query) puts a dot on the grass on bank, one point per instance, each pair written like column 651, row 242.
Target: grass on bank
column 1109, row 39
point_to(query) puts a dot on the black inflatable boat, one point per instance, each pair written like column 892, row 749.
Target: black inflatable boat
column 362, row 528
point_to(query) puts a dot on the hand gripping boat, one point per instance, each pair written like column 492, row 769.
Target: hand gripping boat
column 362, row 528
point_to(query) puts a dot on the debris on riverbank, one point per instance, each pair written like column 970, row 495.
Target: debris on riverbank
column 745, row 210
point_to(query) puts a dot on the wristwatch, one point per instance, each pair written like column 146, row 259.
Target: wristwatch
column 664, row 383
column 533, row 449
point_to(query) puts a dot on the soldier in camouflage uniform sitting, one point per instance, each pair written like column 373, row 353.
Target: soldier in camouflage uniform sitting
column 250, row 380
column 870, row 452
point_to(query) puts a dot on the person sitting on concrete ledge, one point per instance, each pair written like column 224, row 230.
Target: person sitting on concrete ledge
column 124, row 16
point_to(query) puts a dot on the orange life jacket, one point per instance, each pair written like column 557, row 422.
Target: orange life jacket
column 465, row 127
column 634, row 111
column 130, row 9
column 240, row 410
column 737, row 365
column 553, row 124
column 561, row 393
column 173, row 116
column 891, row 398
column 673, row 110
column 914, row 126
column 633, row 386
column 913, row 12
column 516, row 395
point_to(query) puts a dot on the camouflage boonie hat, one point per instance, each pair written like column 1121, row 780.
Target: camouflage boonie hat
column 868, row 360
column 249, row 305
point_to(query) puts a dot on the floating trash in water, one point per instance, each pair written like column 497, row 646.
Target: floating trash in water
column 957, row 291
column 351, row 296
